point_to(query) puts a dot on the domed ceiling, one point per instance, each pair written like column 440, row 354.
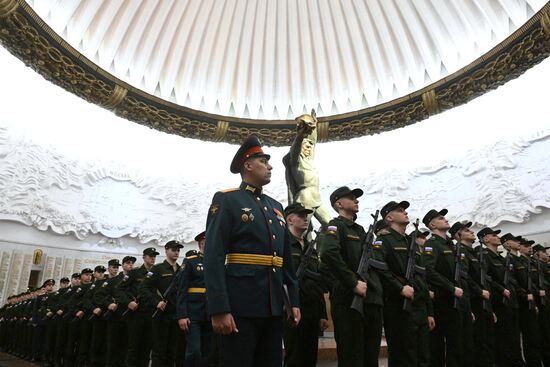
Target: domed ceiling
column 221, row 69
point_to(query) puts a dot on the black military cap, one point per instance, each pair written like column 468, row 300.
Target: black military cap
column 526, row 242
column 151, row 251
column 173, row 244
column 433, row 214
column 86, row 271
column 200, row 236
column 392, row 205
column 344, row 191
column 250, row 148
column 128, row 258
column 485, row 231
column 508, row 237
column 113, row 262
column 458, row 226
column 380, row 225
column 539, row 247
column 296, row 208
column 64, row 280
column 75, row 275
column 100, row 269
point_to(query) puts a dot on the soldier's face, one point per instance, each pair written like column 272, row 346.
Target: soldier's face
column 201, row 245
column 127, row 266
column 259, row 169
column 298, row 221
column 348, row 203
column 113, row 270
column 543, row 256
column 149, row 260
column 75, row 282
column 86, row 277
column 173, row 253
column 467, row 234
column 48, row 287
column 64, row 285
column 98, row 275
column 525, row 250
column 514, row 245
column 491, row 239
column 440, row 223
column 398, row 216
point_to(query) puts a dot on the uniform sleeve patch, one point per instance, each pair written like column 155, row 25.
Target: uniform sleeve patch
column 428, row 250
column 214, row 208
column 332, row 230
column 377, row 244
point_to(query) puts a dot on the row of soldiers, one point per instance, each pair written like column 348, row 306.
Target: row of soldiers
column 122, row 318
column 460, row 306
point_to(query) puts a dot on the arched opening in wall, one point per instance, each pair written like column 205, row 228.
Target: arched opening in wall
column 34, row 279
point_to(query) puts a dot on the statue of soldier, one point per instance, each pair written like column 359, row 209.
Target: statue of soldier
column 301, row 175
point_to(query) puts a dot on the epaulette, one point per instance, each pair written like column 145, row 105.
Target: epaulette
column 231, row 190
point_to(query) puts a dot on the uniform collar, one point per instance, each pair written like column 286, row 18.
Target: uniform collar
column 397, row 235
column 253, row 189
column 346, row 221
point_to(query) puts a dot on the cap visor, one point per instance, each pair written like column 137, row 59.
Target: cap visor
column 357, row 193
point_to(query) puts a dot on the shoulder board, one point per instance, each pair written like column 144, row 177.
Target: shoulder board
column 191, row 257
column 230, row 190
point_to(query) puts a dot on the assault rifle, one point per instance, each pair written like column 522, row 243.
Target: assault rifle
column 507, row 269
column 458, row 271
column 306, row 258
column 366, row 262
column 411, row 265
column 530, row 285
column 483, row 276
column 171, row 288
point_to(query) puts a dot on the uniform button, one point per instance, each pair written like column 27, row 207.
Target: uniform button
column 274, row 270
column 257, row 198
column 270, row 221
column 273, row 236
column 265, row 208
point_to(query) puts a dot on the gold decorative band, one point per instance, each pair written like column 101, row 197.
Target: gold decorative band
column 196, row 290
column 322, row 131
column 221, row 130
column 430, row 102
column 7, row 7
column 254, row 259
column 545, row 22
column 118, row 95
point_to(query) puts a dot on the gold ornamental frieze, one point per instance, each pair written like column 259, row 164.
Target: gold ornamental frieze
column 30, row 39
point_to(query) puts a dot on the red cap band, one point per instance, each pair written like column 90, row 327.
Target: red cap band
column 253, row 150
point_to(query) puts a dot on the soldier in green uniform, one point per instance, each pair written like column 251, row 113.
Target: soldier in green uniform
column 406, row 330
column 106, row 298
column 503, row 297
column 191, row 306
column 483, row 353
column 63, row 313
column 527, row 291
column 39, row 319
column 541, row 262
column 152, row 293
column 86, row 325
column 357, row 336
column 75, row 314
column 301, row 342
column 98, row 343
column 52, row 321
column 138, row 313
column 451, row 316
column 247, row 261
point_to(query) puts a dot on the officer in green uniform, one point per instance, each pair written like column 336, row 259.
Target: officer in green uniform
column 137, row 313
column 406, row 330
column 247, row 261
column 301, row 342
column 64, row 314
column 543, row 274
column 357, row 336
column 152, row 291
column 526, row 276
column 191, row 306
column 503, row 297
column 482, row 330
column 449, row 332
column 52, row 322
column 75, row 314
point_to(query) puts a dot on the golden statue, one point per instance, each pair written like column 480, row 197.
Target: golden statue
column 302, row 178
